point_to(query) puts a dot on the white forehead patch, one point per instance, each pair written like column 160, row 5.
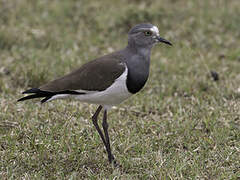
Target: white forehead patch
column 155, row 30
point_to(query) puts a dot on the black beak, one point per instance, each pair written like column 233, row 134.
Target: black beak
column 163, row 41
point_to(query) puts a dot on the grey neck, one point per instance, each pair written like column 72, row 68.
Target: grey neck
column 140, row 50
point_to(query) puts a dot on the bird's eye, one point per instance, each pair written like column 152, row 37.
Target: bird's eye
column 148, row 33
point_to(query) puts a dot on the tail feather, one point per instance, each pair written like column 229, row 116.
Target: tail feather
column 37, row 93
column 33, row 96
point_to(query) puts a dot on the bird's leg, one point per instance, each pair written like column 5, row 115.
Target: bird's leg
column 95, row 122
column 107, row 145
column 105, row 139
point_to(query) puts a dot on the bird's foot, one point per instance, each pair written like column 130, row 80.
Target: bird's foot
column 116, row 164
column 113, row 161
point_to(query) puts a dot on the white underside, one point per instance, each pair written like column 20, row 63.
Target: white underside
column 113, row 95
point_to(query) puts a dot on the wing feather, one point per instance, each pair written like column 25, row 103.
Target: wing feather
column 97, row 75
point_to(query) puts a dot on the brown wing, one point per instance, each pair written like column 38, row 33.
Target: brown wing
column 96, row 75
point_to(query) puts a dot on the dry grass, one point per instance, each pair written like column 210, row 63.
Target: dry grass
column 183, row 125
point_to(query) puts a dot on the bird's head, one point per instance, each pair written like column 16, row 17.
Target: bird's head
column 145, row 35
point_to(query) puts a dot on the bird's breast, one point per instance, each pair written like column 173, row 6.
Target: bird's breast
column 137, row 77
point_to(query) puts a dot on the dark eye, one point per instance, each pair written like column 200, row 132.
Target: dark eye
column 148, row 33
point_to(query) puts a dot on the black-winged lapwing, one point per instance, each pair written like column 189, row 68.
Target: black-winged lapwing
column 108, row 80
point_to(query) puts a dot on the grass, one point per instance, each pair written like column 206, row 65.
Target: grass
column 182, row 125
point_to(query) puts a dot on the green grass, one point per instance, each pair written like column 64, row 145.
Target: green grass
column 182, row 125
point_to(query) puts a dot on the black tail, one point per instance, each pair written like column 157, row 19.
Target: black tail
column 37, row 93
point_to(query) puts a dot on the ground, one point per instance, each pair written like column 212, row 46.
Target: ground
column 184, row 124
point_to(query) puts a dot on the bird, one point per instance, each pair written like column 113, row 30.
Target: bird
column 108, row 80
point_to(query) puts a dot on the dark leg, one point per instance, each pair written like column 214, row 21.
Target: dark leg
column 108, row 148
column 94, row 120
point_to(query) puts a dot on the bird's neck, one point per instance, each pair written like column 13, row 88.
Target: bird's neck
column 142, row 51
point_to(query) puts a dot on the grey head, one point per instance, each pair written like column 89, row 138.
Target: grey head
column 145, row 35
